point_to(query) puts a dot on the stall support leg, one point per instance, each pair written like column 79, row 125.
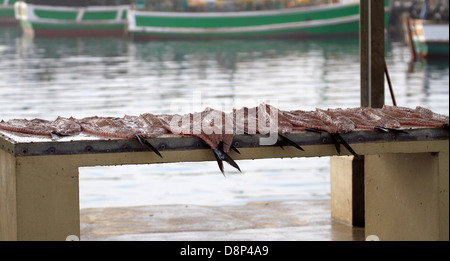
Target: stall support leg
column 406, row 196
column 8, row 211
column 43, row 203
column 347, row 189
column 444, row 195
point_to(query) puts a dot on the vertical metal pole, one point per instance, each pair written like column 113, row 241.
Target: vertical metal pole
column 364, row 53
column 372, row 53
column 377, row 51
column 371, row 44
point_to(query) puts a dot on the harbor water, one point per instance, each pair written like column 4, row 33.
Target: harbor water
column 80, row 77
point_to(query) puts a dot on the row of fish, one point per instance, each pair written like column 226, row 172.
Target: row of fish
column 218, row 128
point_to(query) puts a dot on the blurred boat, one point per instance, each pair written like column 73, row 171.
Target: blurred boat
column 427, row 38
column 72, row 18
column 193, row 19
column 7, row 12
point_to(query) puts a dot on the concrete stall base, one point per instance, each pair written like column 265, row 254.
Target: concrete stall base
column 405, row 195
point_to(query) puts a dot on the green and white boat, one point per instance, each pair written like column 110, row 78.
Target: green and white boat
column 150, row 19
column 427, row 38
column 7, row 12
column 72, row 18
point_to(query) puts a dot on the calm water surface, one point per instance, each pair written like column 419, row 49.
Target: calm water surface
column 46, row 78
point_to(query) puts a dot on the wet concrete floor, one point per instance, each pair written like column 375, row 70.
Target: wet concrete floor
column 261, row 221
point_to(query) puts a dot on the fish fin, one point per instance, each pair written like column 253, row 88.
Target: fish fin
column 144, row 142
column 235, row 149
column 291, row 142
column 336, row 142
column 231, row 147
column 55, row 135
column 219, row 162
column 390, row 130
column 220, row 154
column 313, row 130
column 382, row 129
column 346, row 145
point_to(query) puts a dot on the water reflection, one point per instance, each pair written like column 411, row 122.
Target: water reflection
column 247, row 69
column 426, row 81
column 129, row 77
column 51, row 59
